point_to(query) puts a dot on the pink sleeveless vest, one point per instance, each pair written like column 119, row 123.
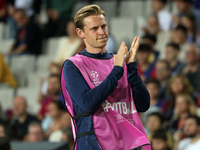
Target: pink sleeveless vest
column 117, row 125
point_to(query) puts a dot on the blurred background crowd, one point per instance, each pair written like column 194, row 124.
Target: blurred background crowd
column 37, row 36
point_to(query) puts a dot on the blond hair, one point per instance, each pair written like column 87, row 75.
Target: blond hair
column 86, row 11
column 190, row 103
column 187, row 87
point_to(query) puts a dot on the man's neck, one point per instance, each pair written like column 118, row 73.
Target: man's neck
column 22, row 117
column 195, row 139
column 93, row 50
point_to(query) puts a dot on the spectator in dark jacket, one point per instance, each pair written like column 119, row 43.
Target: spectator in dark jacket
column 28, row 39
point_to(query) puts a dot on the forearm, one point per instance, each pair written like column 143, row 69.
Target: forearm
column 140, row 93
column 19, row 49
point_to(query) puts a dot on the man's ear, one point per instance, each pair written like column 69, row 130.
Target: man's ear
column 80, row 33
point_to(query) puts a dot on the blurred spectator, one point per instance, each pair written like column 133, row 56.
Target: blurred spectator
column 163, row 75
column 21, row 118
column 146, row 69
column 178, row 84
column 65, row 120
column 185, row 6
column 179, row 36
column 151, row 41
column 184, row 106
column 111, row 44
column 70, row 45
column 156, row 122
column 2, row 131
column 56, row 110
column 35, row 132
column 2, row 11
column 191, row 130
column 192, row 67
column 53, row 93
column 159, row 140
column 153, row 86
column 188, row 20
column 32, row 7
column 12, row 25
column 4, row 143
column 152, row 26
column 164, row 16
column 58, row 12
column 54, row 68
column 6, row 76
column 28, row 39
column 67, row 136
column 171, row 56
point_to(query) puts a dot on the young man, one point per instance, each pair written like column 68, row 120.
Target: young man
column 171, row 56
column 159, row 140
column 146, row 68
column 164, row 16
column 191, row 129
column 99, row 89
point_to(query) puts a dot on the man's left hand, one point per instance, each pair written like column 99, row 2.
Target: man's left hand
column 131, row 55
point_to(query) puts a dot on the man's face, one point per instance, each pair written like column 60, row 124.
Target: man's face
column 162, row 72
column 170, row 53
column 157, row 5
column 71, row 29
column 191, row 55
column 179, row 37
column 159, row 144
column 191, row 128
column 19, row 106
column 35, row 134
column 2, row 131
column 95, row 32
column 153, row 90
column 53, row 86
column 20, row 19
column 181, row 6
column 143, row 57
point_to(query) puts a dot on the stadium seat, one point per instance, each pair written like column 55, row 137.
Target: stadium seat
column 110, row 7
column 5, row 45
column 23, row 63
column 163, row 38
column 141, row 22
column 51, row 46
column 122, row 29
column 21, row 66
column 1, row 31
column 131, row 8
column 34, row 79
column 31, row 95
column 43, row 62
column 6, row 98
column 77, row 6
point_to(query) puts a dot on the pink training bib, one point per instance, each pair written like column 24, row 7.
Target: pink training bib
column 117, row 125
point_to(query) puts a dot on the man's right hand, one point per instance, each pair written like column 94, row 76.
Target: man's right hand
column 120, row 57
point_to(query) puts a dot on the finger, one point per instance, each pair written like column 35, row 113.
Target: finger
column 121, row 47
column 126, row 49
column 137, row 43
column 133, row 43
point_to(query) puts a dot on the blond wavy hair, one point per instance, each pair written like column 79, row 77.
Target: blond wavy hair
column 86, row 11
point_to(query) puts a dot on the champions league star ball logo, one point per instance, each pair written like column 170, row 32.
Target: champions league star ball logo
column 94, row 74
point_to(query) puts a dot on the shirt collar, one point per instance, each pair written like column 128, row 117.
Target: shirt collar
column 97, row 55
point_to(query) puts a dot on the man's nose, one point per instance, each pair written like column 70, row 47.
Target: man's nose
column 100, row 31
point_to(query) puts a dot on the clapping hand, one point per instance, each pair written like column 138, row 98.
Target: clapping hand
column 130, row 55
